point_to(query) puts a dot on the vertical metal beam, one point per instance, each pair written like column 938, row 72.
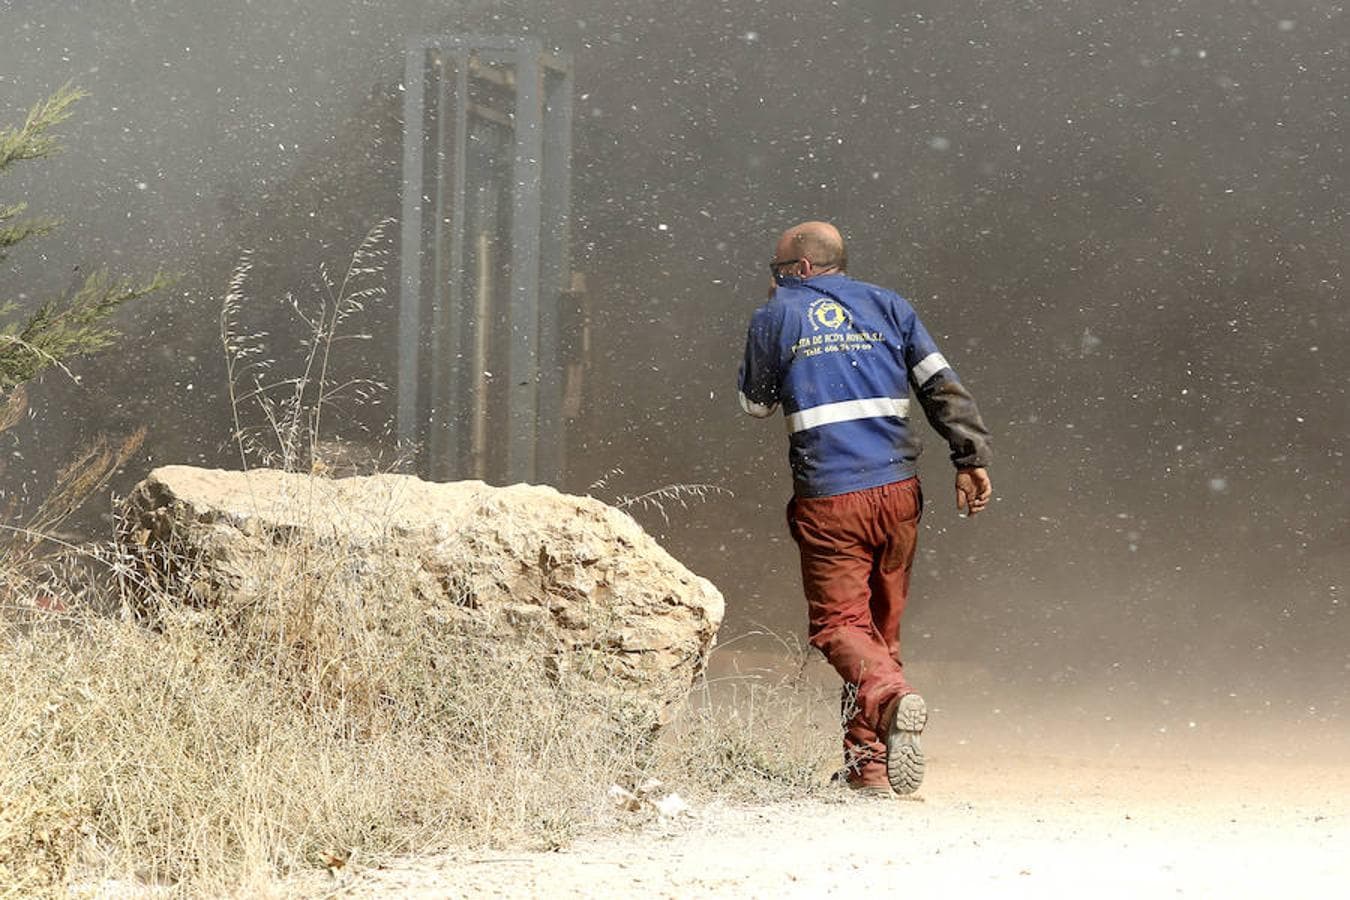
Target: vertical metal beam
column 446, row 409
column 457, row 411
column 555, row 266
column 410, row 251
column 438, row 351
column 491, row 145
column 482, row 338
column 523, row 356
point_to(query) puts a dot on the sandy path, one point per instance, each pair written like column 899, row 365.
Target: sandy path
column 1016, row 827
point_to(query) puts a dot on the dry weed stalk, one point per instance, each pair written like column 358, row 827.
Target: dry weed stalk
column 682, row 494
column 293, row 407
column 13, row 407
column 36, row 566
column 754, row 736
column 85, row 475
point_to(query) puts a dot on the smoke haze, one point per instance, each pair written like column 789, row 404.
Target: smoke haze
column 1123, row 222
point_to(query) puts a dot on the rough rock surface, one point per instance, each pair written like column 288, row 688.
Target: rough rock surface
column 583, row 574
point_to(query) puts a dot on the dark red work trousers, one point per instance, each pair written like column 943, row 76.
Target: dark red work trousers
column 857, row 550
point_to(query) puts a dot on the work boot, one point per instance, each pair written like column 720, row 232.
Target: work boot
column 904, row 756
column 868, row 781
column 871, row 791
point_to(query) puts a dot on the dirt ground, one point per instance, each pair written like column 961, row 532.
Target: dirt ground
column 1007, row 828
column 1050, row 801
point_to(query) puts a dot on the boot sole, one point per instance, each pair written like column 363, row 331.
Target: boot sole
column 905, row 762
column 872, row 791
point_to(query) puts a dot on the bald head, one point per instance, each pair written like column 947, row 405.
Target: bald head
column 819, row 242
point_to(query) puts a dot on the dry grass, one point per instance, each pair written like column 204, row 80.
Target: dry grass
column 312, row 724
column 300, row 728
column 758, row 736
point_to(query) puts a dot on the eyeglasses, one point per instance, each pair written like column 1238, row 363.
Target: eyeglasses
column 818, row 267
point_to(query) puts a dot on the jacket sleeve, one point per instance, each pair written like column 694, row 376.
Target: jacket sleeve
column 760, row 370
column 949, row 407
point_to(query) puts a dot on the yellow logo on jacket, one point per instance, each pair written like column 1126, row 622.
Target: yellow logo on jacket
column 826, row 313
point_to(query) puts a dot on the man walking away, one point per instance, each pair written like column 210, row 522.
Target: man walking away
column 840, row 355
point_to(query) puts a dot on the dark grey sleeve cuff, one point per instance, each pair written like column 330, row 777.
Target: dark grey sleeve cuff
column 952, row 412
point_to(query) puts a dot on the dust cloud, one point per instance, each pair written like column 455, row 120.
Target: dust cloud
column 1123, row 222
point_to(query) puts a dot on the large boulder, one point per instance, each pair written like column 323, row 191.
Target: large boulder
column 607, row 600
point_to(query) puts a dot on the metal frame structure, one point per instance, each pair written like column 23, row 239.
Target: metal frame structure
column 485, row 256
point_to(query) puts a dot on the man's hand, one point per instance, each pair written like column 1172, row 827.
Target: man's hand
column 973, row 490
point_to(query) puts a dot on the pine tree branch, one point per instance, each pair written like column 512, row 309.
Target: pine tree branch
column 12, row 234
column 31, row 140
column 62, row 330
